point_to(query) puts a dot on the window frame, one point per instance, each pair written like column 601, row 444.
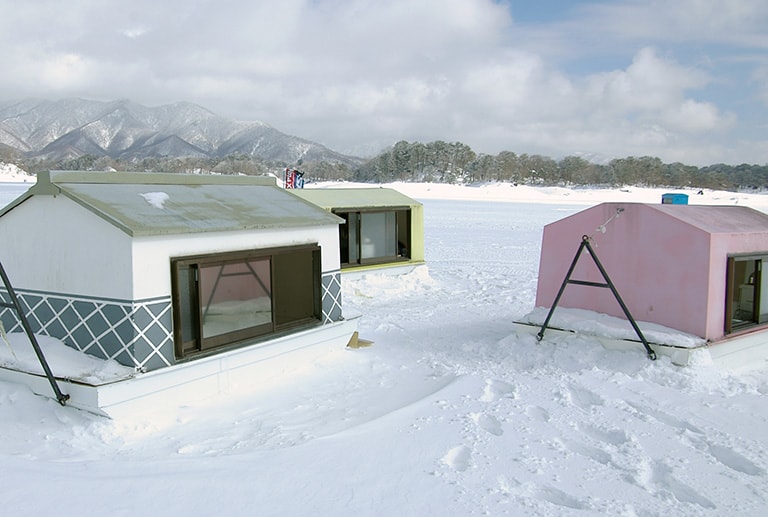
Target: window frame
column 188, row 304
column 352, row 231
column 733, row 300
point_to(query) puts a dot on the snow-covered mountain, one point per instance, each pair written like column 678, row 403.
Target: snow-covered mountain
column 70, row 128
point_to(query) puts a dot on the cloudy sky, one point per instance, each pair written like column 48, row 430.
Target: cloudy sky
column 684, row 80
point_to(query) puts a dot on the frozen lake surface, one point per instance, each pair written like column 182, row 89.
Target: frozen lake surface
column 450, row 412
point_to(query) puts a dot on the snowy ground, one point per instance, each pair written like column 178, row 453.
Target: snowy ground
column 450, row 412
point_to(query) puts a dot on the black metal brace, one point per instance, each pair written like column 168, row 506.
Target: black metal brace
column 608, row 284
column 61, row 397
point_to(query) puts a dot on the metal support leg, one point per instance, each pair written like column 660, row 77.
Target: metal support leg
column 61, row 397
column 608, row 284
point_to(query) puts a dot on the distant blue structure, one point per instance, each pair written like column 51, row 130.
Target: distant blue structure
column 674, row 199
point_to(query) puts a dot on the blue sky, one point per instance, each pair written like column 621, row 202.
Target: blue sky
column 684, row 80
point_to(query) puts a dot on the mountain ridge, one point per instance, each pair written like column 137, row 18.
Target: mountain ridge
column 124, row 130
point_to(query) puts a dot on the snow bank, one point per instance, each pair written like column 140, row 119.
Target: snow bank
column 10, row 173
column 17, row 353
column 507, row 192
column 598, row 324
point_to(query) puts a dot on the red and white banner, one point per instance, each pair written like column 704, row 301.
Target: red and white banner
column 292, row 178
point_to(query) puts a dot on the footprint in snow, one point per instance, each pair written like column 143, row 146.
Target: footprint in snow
column 459, row 458
column 665, row 481
column 496, row 389
column 585, row 398
column 727, row 456
column 588, row 451
column 605, row 435
column 560, row 498
column 488, row 423
column 664, row 418
column 537, row 413
column 734, row 460
column 580, row 397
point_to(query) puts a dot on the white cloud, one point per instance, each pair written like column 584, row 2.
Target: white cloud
column 134, row 32
column 617, row 77
column 505, row 84
column 648, row 84
column 63, row 72
column 644, row 106
column 696, row 117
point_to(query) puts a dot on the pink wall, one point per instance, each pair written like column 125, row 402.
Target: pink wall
column 659, row 265
column 723, row 245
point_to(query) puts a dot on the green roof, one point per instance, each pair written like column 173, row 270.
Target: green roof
column 355, row 197
column 143, row 204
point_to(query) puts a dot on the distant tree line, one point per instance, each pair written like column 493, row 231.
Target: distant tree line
column 442, row 162
column 457, row 163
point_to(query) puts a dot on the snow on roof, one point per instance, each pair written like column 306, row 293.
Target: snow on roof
column 356, row 197
column 143, row 204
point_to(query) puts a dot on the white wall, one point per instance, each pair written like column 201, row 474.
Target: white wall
column 152, row 255
column 53, row 244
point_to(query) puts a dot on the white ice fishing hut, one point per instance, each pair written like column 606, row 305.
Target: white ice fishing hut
column 160, row 270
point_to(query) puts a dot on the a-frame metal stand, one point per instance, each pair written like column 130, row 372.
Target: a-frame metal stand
column 15, row 305
column 607, row 284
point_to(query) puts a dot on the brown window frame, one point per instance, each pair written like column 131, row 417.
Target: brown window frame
column 294, row 292
column 352, row 231
column 742, row 296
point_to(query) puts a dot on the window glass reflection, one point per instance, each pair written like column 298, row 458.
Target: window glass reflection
column 235, row 296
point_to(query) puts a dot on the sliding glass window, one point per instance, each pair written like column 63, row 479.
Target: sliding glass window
column 224, row 299
column 746, row 292
column 370, row 236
